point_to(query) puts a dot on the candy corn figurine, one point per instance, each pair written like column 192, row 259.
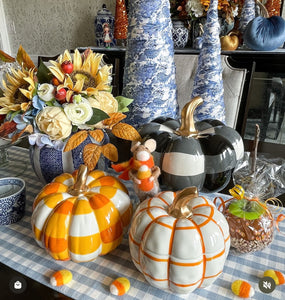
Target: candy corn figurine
column 242, row 289
column 120, row 286
column 276, row 275
column 60, row 277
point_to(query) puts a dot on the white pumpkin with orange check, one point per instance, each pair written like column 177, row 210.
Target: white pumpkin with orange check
column 179, row 241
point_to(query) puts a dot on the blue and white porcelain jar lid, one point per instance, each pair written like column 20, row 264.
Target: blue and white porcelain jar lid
column 104, row 12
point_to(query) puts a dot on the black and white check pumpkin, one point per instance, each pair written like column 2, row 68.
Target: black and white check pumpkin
column 204, row 157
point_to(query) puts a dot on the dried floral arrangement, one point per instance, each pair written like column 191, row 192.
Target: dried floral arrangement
column 62, row 103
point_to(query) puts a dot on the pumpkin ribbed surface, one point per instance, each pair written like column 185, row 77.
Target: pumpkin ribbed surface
column 179, row 254
column 84, row 226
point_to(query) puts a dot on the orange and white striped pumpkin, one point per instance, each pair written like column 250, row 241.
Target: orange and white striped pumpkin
column 179, row 241
column 79, row 217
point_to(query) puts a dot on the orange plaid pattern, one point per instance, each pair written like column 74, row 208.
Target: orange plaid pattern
column 85, row 226
column 179, row 254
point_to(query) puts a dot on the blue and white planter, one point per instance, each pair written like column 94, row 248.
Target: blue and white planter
column 49, row 162
column 208, row 81
column 149, row 76
column 12, row 200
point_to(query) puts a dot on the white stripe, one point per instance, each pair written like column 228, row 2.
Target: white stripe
column 239, row 149
column 121, row 200
column 165, row 128
column 85, row 257
column 67, row 162
column 36, row 163
column 182, row 164
column 83, row 225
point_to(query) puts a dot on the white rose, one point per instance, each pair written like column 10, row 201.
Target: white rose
column 53, row 121
column 79, row 112
column 46, row 91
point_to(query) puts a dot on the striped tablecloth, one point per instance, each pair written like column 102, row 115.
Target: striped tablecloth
column 91, row 280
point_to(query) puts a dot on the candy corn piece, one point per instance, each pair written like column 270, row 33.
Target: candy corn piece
column 60, row 277
column 242, row 289
column 276, row 275
column 120, row 286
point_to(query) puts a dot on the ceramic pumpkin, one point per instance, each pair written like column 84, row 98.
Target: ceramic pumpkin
column 179, row 241
column 81, row 216
column 201, row 154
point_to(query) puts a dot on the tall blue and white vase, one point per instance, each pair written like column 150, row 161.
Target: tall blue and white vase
column 149, row 74
column 208, row 81
column 247, row 14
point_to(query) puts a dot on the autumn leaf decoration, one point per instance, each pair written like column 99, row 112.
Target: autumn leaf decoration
column 92, row 152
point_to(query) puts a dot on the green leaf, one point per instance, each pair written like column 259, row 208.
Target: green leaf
column 44, row 74
column 1, row 93
column 123, row 102
column 74, row 128
column 98, row 115
column 11, row 115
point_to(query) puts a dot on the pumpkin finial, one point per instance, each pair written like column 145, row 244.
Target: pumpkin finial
column 79, row 186
column 187, row 127
column 179, row 208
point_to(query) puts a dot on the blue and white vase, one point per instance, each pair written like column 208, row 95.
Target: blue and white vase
column 104, row 28
column 180, row 34
column 208, row 81
column 149, row 76
column 49, row 162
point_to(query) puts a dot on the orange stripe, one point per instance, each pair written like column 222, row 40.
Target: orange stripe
column 186, row 228
column 155, row 279
column 127, row 216
column 84, row 244
column 227, row 238
column 185, row 285
column 170, row 248
column 216, row 256
column 147, row 208
column 164, row 225
column 112, row 233
column 98, row 201
column 65, row 208
column 244, row 289
column 120, row 287
column 59, row 278
column 203, row 250
column 212, row 276
column 133, row 241
column 187, row 264
column 154, row 258
column 280, row 277
column 55, row 245
column 208, row 218
column 51, row 188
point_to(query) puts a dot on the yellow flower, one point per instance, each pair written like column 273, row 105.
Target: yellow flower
column 104, row 101
column 90, row 74
column 53, row 121
column 18, row 91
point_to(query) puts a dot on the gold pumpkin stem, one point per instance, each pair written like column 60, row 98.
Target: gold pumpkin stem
column 80, row 184
column 179, row 208
column 187, row 127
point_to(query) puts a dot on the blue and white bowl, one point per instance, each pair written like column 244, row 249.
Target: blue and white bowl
column 12, row 200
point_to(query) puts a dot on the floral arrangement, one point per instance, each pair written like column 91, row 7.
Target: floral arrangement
column 193, row 9
column 61, row 104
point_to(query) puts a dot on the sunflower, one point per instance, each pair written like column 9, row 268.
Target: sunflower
column 89, row 76
column 18, row 91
